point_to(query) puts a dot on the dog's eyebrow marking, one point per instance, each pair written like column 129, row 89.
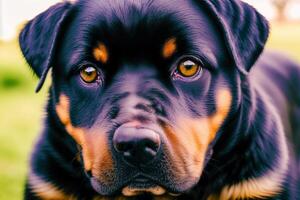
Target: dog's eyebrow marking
column 169, row 48
column 46, row 190
column 100, row 53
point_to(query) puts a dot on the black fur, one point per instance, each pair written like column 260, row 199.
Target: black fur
column 227, row 37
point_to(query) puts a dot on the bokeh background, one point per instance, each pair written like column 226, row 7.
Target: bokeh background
column 21, row 110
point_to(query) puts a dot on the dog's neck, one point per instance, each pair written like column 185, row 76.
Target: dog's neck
column 256, row 165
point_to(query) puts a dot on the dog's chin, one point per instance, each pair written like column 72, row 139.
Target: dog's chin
column 139, row 187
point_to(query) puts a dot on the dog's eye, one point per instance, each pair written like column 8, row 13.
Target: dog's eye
column 89, row 74
column 188, row 68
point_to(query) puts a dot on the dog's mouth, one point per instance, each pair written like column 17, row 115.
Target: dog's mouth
column 140, row 186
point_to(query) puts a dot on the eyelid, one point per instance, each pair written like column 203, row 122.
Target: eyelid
column 185, row 57
column 87, row 64
column 77, row 67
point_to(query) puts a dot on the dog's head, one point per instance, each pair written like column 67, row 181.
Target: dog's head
column 145, row 87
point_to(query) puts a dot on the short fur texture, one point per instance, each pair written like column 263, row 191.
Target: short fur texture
column 232, row 131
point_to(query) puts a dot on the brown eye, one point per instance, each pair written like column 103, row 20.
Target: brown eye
column 89, row 74
column 188, row 68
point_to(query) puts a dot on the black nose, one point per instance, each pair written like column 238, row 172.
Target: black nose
column 138, row 146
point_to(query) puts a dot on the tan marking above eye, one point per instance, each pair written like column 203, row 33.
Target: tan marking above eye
column 100, row 53
column 169, row 48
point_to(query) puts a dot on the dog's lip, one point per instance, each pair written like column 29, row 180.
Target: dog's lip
column 141, row 182
column 140, row 185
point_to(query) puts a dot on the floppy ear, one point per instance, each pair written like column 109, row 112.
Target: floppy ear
column 39, row 37
column 245, row 30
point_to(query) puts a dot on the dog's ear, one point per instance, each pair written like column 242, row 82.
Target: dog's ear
column 39, row 37
column 243, row 28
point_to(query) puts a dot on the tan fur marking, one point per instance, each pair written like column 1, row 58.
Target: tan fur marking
column 194, row 137
column 103, row 164
column 268, row 185
column 129, row 192
column 62, row 109
column 169, row 48
column 47, row 191
column 91, row 142
column 100, row 53
column 223, row 102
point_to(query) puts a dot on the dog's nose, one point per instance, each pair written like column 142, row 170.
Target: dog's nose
column 138, row 146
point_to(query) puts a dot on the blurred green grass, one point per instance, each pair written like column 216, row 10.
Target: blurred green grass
column 21, row 110
column 20, row 116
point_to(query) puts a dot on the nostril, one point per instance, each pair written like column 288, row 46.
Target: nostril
column 136, row 145
column 151, row 146
column 123, row 146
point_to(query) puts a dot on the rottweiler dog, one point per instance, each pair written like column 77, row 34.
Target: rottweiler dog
column 155, row 100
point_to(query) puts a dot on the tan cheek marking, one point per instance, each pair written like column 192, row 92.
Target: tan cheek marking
column 169, row 48
column 96, row 154
column 187, row 147
column 195, row 135
column 100, row 53
column 103, row 162
column 62, row 109
column 223, row 103
column 45, row 190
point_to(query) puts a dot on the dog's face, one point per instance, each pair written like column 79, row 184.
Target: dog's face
column 145, row 93
column 144, row 88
